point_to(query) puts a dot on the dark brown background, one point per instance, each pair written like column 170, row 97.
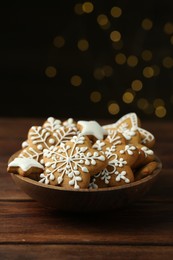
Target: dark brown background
column 27, row 49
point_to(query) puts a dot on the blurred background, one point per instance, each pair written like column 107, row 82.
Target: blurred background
column 87, row 59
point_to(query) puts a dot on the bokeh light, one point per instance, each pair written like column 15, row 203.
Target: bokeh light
column 113, row 108
column 168, row 28
column 76, row 80
column 148, row 72
column 137, row 85
column 116, row 11
column 115, row 36
column 83, row 45
column 147, row 24
column 95, row 96
column 128, row 97
column 50, row 71
column 160, row 111
column 120, row 58
column 88, row 7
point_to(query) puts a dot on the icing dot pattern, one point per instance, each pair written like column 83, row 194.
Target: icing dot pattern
column 84, row 154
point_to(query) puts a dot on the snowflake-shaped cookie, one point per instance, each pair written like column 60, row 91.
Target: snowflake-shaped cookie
column 71, row 164
column 52, row 133
column 121, row 158
column 39, row 138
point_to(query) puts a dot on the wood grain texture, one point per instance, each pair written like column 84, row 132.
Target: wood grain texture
column 140, row 231
column 87, row 252
column 149, row 223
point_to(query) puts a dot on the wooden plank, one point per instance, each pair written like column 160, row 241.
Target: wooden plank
column 84, row 252
column 142, row 223
column 17, row 127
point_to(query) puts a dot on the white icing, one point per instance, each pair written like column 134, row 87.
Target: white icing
column 133, row 119
column 147, row 136
column 51, row 141
column 121, row 176
column 24, row 144
column 40, row 147
column 39, row 135
column 99, row 145
column 69, row 123
column 147, row 151
column 92, row 128
column 52, row 124
column 129, row 131
column 25, row 163
column 113, row 137
column 70, row 161
column 114, row 161
column 31, row 153
column 129, row 149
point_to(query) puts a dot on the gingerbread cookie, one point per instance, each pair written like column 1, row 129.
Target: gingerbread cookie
column 146, row 170
column 129, row 126
column 146, row 155
column 71, row 165
column 85, row 154
column 52, row 133
column 121, row 158
column 39, row 138
column 25, row 167
column 62, row 131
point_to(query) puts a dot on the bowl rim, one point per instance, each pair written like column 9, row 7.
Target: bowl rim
column 107, row 189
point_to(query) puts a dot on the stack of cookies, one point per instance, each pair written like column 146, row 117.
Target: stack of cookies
column 86, row 155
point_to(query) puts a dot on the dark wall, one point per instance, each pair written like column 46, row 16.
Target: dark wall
column 42, row 49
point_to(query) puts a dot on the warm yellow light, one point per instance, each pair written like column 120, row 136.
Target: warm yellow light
column 171, row 39
column 147, row 55
column 160, row 111
column 156, row 70
column 113, row 108
column 132, row 61
column 83, row 45
column 98, row 74
column 168, row 28
column 168, row 62
column 142, row 103
column 87, row 7
column 120, row 58
column 76, row 80
column 95, row 96
column 148, row 72
column 115, row 36
column 50, row 72
column 147, row 24
column 102, row 20
column 137, row 85
column 108, row 71
column 158, row 102
column 128, row 97
column 78, row 9
column 59, row 41
column 116, row 11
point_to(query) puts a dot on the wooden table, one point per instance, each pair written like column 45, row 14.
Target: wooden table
column 143, row 230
